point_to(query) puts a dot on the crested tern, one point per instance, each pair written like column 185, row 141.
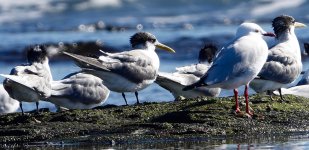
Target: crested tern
column 30, row 82
column 78, row 90
column 128, row 71
column 283, row 64
column 237, row 63
column 175, row 82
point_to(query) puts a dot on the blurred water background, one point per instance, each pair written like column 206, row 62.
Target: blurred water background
column 182, row 24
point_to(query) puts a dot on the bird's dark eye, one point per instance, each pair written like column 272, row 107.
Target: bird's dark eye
column 257, row 31
column 152, row 40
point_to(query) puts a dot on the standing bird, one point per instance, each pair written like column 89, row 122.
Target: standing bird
column 128, row 71
column 283, row 64
column 78, row 90
column 175, row 82
column 30, row 82
column 238, row 62
column 7, row 104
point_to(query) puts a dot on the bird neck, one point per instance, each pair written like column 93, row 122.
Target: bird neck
column 289, row 38
column 286, row 35
column 46, row 66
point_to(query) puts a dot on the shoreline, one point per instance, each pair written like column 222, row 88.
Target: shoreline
column 199, row 119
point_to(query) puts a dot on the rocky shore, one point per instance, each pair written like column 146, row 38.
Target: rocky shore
column 189, row 119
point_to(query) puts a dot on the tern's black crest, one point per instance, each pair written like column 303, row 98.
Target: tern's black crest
column 36, row 53
column 282, row 23
column 141, row 38
column 207, row 53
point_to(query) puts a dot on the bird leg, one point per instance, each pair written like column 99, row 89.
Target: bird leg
column 37, row 107
column 136, row 95
column 21, row 108
column 281, row 96
column 268, row 92
column 237, row 110
column 124, row 97
column 247, row 100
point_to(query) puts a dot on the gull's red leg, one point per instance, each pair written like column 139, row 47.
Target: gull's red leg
column 247, row 100
column 237, row 110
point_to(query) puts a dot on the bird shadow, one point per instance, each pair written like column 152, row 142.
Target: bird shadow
column 200, row 103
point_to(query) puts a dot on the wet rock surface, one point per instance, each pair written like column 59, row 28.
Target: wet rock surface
column 200, row 119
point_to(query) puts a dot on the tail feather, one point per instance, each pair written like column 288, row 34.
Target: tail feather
column 86, row 62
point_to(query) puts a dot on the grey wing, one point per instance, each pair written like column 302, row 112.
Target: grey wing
column 222, row 68
column 280, row 67
column 132, row 65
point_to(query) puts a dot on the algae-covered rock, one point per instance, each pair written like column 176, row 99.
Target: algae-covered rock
column 202, row 117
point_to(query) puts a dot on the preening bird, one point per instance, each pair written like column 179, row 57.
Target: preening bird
column 186, row 75
column 30, row 82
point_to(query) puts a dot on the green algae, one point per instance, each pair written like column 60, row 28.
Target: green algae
column 198, row 118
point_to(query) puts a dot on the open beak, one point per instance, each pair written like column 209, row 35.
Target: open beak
column 269, row 34
column 299, row 25
column 164, row 47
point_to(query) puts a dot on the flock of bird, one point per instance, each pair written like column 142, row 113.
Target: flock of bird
column 246, row 60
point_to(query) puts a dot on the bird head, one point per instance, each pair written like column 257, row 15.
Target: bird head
column 207, row 53
column 284, row 23
column 251, row 28
column 146, row 40
column 36, row 53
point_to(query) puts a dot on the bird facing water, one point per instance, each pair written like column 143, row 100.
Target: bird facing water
column 128, row 71
column 283, row 64
column 30, row 82
column 238, row 62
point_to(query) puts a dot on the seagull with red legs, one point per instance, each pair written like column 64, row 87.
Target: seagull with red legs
column 237, row 63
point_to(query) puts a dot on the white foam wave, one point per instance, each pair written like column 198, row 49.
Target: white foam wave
column 274, row 6
column 98, row 4
column 18, row 10
column 11, row 10
column 174, row 19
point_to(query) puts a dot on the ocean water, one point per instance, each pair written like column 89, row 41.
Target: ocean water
column 181, row 24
